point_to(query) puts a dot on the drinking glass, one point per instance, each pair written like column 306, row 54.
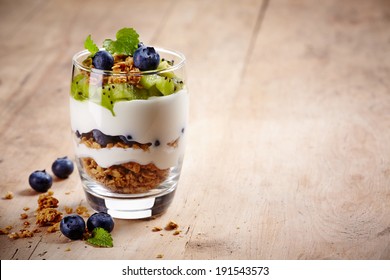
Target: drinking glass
column 129, row 130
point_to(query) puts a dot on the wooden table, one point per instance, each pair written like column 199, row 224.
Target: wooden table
column 289, row 137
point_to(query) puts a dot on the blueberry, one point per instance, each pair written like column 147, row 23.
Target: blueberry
column 102, row 220
column 103, row 60
column 127, row 139
column 146, row 58
column 101, row 138
column 40, row 181
column 62, row 167
column 73, row 227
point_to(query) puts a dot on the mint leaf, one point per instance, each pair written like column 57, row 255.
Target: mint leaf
column 90, row 45
column 108, row 44
column 126, row 43
column 101, row 238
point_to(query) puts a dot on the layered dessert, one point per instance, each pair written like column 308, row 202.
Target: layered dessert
column 128, row 114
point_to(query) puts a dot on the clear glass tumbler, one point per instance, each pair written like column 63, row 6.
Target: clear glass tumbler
column 129, row 129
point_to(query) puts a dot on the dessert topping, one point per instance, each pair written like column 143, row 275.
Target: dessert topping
column 40, row 180
column 62, row 167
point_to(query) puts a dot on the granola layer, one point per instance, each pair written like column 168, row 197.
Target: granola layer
column 129, row 178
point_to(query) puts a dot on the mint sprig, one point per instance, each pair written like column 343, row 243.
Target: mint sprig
column 90, row 45
column 126, row 43
column 101, row 238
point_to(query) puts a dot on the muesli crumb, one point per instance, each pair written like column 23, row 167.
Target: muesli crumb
column 155, row 229
column 23, row 233
column 53, row 228
column 48, row 217
column 23, row 216
column 13, row 235
column 82, row 210
column 68, row 210
column 177, row 232
column 171, row 226
column 159, row 256
column 47, row 200
column 8, row 195
column 5, row 230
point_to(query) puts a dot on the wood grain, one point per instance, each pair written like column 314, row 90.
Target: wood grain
column 288, row 154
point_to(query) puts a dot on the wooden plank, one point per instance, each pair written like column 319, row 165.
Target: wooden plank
column 316, row 115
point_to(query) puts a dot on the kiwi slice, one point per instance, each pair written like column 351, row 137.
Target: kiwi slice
column 157, row 85
column 165, row 85
column 119, row 92
column 147, row 81
column 108, row 103
column 153, row 91
column 106, row 96
column 80, row 87
column 165, row 65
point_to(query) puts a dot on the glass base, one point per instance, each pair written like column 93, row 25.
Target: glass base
column 130, row 206
column 123, row 207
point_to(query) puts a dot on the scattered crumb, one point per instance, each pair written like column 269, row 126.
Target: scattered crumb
column 13, row 235
column 23, row 216
column 53, row 228
column 47, row 200
column 5, row 230
column 155, row 229
column 67, row 249
column 82, row 210
column 68, row 210
column 177, row 232
column 48, row 217
column 171, row 226
column 23, row 233
column 159, row 256
column 67, row 193
column 8, row 195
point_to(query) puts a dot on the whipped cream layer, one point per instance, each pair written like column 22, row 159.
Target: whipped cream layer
column 161, row 119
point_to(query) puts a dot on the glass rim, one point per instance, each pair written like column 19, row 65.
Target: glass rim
column 171, row 68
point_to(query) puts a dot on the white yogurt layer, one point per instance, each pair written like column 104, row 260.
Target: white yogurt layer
column 162, row 157
column 146, row 121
